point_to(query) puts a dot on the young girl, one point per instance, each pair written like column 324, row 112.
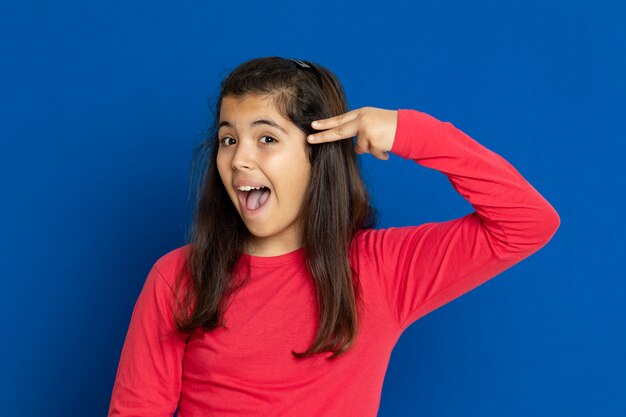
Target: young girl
column 286, row 301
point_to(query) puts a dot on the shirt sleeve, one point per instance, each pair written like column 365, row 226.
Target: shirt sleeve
column 148, row 380
column 421, row 268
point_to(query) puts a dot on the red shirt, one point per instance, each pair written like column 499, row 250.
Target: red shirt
column 406, row 272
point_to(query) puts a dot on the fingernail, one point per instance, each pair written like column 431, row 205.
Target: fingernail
column 316, row 123
column 311, row 137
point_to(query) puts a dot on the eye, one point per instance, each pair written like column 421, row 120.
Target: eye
column 221, row 141
column 266, row 136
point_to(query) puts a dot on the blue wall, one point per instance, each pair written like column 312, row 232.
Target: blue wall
column 102, row 103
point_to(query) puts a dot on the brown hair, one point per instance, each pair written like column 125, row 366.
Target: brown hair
column 336, row 207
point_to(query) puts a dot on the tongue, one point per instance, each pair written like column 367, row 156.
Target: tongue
column 256, row 198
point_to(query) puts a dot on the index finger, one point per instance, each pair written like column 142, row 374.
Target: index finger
column 334, row 121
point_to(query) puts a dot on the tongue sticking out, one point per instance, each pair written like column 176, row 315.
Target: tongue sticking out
column 256, row 198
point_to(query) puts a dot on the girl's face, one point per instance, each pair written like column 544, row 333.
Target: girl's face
column 257, row 146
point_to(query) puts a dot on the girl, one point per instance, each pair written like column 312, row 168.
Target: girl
column 286, row 301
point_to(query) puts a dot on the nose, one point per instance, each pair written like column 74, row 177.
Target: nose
column 244, row 157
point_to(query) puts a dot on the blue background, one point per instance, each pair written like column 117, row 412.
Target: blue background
column 103, row 102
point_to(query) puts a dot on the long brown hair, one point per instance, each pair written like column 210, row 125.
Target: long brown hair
column 336, row 207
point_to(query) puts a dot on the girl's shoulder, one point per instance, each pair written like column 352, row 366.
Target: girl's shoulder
column 169, row 264
column 373, row 242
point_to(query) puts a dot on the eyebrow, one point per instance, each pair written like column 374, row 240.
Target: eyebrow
column 254, row 123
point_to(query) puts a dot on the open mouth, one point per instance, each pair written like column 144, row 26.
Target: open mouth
column 254, row 200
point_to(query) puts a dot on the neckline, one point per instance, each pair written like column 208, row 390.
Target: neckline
column 271, row 261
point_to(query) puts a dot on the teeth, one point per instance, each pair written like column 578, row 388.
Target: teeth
column 248, row 188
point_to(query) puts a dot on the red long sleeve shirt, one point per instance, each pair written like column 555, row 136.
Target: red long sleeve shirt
column 247, row 369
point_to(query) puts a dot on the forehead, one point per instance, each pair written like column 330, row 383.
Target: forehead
column 251, row 111
column 248, row 107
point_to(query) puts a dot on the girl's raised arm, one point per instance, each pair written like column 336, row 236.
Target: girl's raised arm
column 420, row 268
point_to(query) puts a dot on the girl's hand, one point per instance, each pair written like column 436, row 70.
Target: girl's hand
column 375, row 130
